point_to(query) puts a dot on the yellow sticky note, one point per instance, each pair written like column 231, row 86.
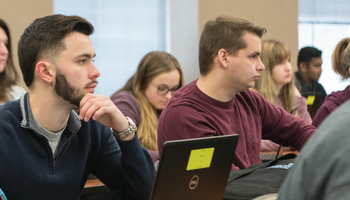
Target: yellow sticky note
column 310, row 100
column 200, row 158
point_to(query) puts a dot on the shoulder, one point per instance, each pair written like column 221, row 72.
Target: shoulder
column 10, row 111
column 124, row 95
column 296, row 92
column 16, row 92
column 320, row 88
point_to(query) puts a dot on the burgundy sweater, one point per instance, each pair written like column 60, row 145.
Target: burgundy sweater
column 332, row 101
column 192, row 114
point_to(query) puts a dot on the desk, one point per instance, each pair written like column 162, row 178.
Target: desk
column 284, row 152
column 93, row 183
column 94, row 189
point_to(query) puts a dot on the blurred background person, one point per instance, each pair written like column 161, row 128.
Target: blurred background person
column 276, row 84
column 8, row 75
column 147, row 92
column 307, row 76
column 341, row 66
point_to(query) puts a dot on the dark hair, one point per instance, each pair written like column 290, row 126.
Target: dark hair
column 44, row 39
column 9, row 76
column 307, row 53
column 223, row 33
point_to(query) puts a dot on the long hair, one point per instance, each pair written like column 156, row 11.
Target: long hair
column 272, row 53
column 9, row 76
column 152, row 65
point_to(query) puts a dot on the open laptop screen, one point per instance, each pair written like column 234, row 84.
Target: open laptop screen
column 195, row 168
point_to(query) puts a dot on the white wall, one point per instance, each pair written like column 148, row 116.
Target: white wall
column 182, row 35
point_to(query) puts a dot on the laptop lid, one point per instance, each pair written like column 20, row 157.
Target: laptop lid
column 194, row 168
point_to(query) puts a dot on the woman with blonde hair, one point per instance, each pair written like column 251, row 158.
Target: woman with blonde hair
column 276, row 84
column 341, row 66
column 8, row 75
column 147, row 92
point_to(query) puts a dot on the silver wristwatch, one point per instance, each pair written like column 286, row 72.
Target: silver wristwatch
column 123, row 134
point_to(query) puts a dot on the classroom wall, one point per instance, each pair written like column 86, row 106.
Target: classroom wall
column 186, row 19
column 18, row 15
column 280, row 18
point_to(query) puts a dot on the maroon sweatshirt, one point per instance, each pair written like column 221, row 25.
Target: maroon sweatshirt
column 192, row 114
column 331, row 102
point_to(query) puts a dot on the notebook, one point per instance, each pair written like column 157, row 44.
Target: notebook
column 195, row 168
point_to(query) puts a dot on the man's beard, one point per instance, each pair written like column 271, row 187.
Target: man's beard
column 66, row 91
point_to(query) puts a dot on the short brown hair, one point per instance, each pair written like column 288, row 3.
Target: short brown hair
column 223, row 33
column 44, row 38
column 341, row 58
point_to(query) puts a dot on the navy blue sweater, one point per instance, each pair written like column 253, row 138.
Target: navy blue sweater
column 29, row 170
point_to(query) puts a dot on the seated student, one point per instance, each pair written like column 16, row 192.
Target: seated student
column 219, row 102
column 8, row 75
column 48, row 149
column 309, row 71
column 147, row 92
column 321, row 170
column 276, row 84
column 341, row 65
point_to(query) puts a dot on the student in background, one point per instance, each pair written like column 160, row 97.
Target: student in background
column 147, row 92
column 341, row 65
column 8, row 75
column 276, row 84
column 48, row 149
column 309, row 71
column 220, row 102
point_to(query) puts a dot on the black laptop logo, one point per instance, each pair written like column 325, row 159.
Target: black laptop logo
column 194, row 182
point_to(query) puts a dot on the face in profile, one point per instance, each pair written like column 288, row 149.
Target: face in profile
column 314, row 69
column 3, row 50
column 76, row 73
column 244, row 68
column 162, row 87
column 282, row 73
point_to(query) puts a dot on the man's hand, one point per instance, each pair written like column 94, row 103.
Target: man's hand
column 104, row 111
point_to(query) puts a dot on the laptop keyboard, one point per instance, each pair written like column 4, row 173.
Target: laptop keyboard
column 267, row 156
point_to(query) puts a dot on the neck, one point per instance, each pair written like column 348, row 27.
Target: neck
column 212, row 86
column 51, row 111
column 278, row 88
column 306, row 80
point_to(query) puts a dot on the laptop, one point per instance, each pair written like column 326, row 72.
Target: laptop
column 194, row 168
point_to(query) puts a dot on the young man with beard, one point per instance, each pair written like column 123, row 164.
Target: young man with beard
column 219, row 102
column 47, row 149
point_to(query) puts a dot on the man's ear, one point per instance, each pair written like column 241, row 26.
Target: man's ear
column 45, row 71
column 303, row 67
column 223, row 57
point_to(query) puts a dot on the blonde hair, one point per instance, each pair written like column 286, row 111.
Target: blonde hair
column 151, row 65
column 272, row 53
column 341, row 58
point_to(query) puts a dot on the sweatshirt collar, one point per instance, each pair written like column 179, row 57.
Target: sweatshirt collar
column 28, row 120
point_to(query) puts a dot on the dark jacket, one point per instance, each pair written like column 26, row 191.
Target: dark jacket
column 29, row 170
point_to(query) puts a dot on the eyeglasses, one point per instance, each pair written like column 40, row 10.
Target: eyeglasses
column 163, row 90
